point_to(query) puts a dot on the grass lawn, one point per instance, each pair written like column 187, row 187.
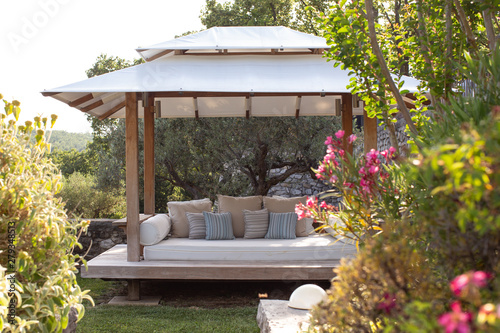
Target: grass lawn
column 172, row 316
column 113, row 318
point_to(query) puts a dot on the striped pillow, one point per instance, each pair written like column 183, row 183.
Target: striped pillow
column 282, row 226
column 197, row 228
column 256, row 223
column 218, row 226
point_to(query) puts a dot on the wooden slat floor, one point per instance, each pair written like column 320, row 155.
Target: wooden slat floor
column 113, row 264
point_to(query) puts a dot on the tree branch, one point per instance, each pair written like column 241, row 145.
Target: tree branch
column 384, row 69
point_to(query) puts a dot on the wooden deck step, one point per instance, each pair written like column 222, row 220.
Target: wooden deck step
column 113, row 264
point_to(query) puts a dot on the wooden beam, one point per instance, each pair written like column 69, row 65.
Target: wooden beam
column 338, row 107
column 248, row 106
column 195, row 107
column 164, row 94
column 370, row 132
column 347, row 120
column 112, row 111
column 158, row 55
column 81, row 100
column 149, row 156
column 134, row 290
column 92, row 106
column 48, row 94
column 132, row 176
column 297, row 106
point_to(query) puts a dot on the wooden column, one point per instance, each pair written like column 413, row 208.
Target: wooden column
column 134, row 290
column 149, row 156
column 370, row 131
column 347, row 119
column 132, row 176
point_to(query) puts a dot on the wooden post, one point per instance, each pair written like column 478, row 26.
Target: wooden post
column 149, row 156
column 347, row 120
column 134, row 290
column 132, row 176
column 370, row 131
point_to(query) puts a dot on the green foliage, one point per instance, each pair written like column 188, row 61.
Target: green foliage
column 83, row 199
column 372, row 291
column 247, row 13
column 35, row 235
column 62, row 140
column 289, row 13
column 71, row 161
column 452, row 227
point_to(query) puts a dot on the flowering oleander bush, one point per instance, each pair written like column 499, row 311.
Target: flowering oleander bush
column 372, row 187
column 36, row 238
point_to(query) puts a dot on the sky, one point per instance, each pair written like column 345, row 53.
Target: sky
column 50, row 43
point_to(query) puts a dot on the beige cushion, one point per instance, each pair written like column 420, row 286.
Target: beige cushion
column 178, row 209
column 236, row 205
column 285, row 205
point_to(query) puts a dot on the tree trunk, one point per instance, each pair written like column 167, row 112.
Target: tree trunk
column 384, row 68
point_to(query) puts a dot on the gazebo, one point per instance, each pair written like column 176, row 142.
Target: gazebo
column 220, row 72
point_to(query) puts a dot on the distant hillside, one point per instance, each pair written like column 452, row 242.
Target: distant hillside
column 63, row 140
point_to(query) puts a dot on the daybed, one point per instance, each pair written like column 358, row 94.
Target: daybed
column 247, row 229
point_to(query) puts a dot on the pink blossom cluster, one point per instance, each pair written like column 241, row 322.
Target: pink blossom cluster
column 371, row 172
column 461, row 321
column 311, row 208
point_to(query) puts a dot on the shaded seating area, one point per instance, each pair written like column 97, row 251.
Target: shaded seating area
column 221, row 72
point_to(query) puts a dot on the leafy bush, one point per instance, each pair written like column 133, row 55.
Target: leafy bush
column 36, row 236
column 377, row 285
column 82, row 198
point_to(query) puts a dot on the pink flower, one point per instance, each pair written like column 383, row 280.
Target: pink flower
column 300, row 212
column 340, row 134
column 392, row 150
column 311, row 202
column 388, row 303
column 478, row 279
column 374, row 169
column 323, row 204
column 372, row 155
column 319, row 176
column 481, row 278
column 362, row 171
column 333, row 179
column 456, row 320
column 384, row 153
column 329, row 140
column 352, row 138
column 321, row 168
column 341, row 152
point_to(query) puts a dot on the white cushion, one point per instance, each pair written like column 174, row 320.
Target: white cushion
column 306, row 249
column 155, row 229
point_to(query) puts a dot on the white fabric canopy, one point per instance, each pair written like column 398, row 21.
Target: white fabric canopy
column 222, row 84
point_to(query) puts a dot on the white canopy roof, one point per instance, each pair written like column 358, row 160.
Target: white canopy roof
column 232, row 83
column 237, row 40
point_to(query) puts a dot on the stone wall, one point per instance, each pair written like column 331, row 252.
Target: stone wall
column 100, row 236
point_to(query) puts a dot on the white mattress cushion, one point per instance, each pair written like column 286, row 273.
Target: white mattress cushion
column 155, row 229
column 314, row 247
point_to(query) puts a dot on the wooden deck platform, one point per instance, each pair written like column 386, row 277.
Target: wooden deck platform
column 113, row 264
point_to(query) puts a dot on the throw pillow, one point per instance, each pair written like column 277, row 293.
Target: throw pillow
column 278, row 204
column 197, row 227
column 256, row 223
column 282, row 226
column 154, row 229
column 218, row 226
column 177, row 211
column 236, row 205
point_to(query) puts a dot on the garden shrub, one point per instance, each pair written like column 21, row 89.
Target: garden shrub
column 373, row 290
column 35, row 234
column 82, row 198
